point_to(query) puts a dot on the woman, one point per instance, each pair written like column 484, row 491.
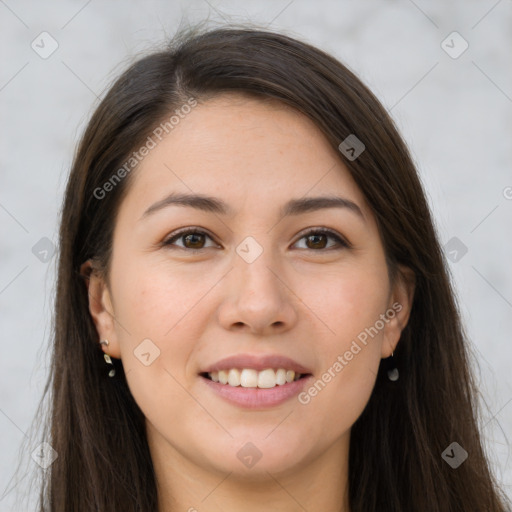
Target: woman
column 253, row 310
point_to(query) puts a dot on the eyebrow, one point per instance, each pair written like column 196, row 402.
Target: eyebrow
column 215, row 205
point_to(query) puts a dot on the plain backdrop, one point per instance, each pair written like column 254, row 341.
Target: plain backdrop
column 452, row 104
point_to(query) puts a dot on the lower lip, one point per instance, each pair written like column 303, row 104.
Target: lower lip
column 256, row 398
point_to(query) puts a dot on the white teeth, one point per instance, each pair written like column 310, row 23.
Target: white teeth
column 249, row 378
column 281, row 376
column 267, row 379
column 234, row 377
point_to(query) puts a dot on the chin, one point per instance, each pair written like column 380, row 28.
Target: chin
column 254, row 458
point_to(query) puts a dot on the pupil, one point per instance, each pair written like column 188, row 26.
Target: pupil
column 189, row 237
column 317, row 236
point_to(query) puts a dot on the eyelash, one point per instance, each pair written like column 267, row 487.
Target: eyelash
column 196, row 231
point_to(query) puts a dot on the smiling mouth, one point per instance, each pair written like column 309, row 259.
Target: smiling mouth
column 250, row 378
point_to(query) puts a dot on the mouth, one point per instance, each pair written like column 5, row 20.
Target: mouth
column 250, row 378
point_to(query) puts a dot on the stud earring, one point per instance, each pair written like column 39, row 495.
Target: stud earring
column 393, row 373
column 107, row 358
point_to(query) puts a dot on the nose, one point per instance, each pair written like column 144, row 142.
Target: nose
column 257, row 297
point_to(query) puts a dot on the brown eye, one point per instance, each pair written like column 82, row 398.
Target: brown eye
column 192, row 239
column 318, row 239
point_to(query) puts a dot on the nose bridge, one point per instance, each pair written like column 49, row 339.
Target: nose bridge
column 256, row 269
column 258, row 296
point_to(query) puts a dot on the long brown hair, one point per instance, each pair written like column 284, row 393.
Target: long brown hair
column 396, row 444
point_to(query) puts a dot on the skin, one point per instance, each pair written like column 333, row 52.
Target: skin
column 307, row 299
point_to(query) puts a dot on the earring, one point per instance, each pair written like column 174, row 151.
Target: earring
column 393, row 372
column 107, row 358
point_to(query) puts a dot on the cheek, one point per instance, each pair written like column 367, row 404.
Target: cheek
column 159, row 317
column 350, row 305
column 155, row 301
column 350, row 300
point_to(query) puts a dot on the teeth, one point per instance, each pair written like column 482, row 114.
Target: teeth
column 223, row 377
column 249, row 378
column 267, row 379
column 281, row 376
column 234, row 377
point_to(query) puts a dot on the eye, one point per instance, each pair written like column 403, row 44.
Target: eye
column 192, row 239
column 317, row 238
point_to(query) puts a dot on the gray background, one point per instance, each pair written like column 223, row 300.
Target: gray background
column 454, row 113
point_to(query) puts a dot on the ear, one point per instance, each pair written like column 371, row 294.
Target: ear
column 100, row 308
column 399, row 309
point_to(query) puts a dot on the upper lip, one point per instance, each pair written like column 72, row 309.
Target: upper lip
column 257, row 362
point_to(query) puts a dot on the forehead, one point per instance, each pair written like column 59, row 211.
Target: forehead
column 247, row 151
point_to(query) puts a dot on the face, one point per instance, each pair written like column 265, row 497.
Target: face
column 192, row 285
